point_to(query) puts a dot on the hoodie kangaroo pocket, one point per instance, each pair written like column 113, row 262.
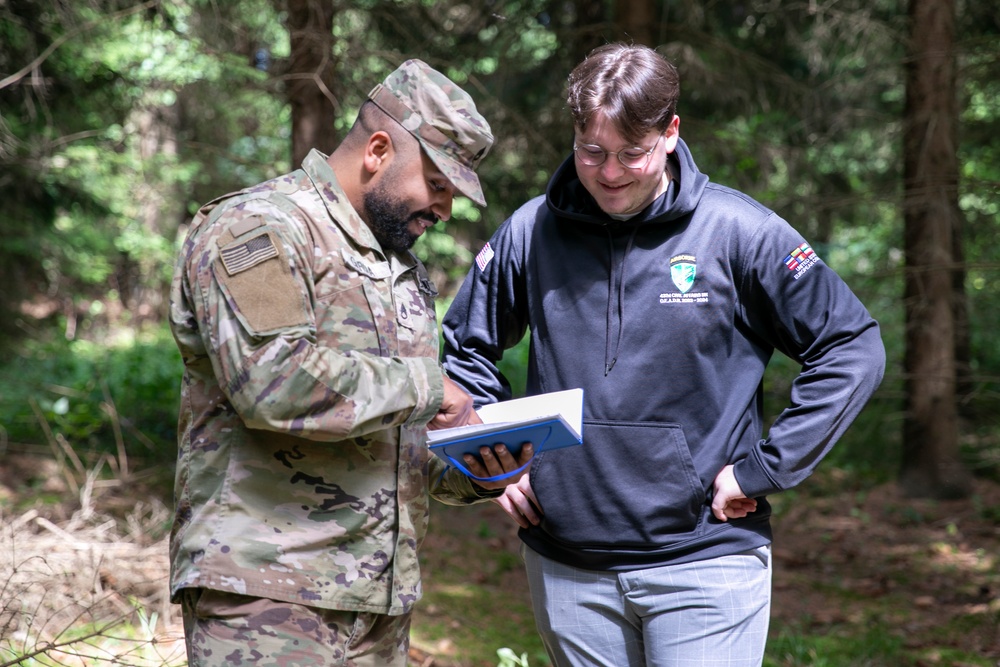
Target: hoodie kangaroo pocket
column 629, row 484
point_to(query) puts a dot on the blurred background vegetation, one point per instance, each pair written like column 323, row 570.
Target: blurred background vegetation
column 118, row 118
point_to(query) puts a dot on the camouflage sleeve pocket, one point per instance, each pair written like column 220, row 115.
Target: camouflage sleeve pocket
column 253, row 272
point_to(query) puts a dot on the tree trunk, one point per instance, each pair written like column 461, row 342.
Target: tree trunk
column 931, row 465
column 636, row 21
column 965, row 384
column 589, row 31
column 310, row 77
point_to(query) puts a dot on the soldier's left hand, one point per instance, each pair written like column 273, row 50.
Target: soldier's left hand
column 497, row 460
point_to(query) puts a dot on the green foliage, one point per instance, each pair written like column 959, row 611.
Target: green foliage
column 438, row 248
column 510, row 659
column 875, row 642
column 131, row 116
column 874, row 645
column 980, row 204
column 514, row 365
column 84, row 392
column 97, row 170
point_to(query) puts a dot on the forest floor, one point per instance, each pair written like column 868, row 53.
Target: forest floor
column 896, row 581
column 910, row 582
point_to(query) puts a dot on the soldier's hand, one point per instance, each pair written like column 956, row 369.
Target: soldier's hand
column 456, row 408
column 497, row 460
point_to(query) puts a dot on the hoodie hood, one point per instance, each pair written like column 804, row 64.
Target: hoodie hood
column 567, row 198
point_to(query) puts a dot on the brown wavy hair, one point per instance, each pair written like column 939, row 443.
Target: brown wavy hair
column 632, row 85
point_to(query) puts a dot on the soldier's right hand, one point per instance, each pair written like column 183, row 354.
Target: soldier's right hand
column 456, row 408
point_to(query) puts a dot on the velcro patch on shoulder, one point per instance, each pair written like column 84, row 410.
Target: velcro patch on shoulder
column 242, row 256
column 245, row 225
column 255, row 274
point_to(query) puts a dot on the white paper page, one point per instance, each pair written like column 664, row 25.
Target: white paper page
column 468, row 429
column 567, row 403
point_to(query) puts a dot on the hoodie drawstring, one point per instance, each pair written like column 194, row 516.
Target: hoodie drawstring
column 609, row 358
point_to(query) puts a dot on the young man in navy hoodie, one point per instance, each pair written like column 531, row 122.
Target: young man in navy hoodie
column 663, row 295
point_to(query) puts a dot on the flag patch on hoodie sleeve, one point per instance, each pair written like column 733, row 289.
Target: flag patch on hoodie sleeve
column 801, row 260
column 484, row 257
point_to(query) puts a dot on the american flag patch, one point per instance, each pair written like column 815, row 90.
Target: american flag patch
column 248, row 254
column 484, row 257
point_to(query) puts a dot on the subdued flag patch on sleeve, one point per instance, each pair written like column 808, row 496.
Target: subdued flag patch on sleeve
column 242, row 256
column 484, row 257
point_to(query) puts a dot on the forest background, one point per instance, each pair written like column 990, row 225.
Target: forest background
column 871, row 125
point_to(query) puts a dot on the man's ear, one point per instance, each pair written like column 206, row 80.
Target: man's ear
column 378, row 150
column 672, row 134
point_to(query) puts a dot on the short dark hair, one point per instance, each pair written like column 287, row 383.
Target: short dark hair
column 372, row 119
column 632, row 85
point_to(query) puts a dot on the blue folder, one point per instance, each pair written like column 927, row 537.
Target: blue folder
column 545, row 432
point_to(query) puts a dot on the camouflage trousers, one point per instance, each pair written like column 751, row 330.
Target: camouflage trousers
column 227, row 629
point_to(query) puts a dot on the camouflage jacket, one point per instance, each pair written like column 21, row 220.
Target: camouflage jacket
column 310, row 372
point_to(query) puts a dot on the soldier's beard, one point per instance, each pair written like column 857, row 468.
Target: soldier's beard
column 389, row 219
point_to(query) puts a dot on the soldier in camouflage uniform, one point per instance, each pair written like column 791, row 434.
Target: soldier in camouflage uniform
column 310, row 350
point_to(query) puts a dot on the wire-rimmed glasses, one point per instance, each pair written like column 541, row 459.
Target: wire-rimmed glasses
column 593, row 155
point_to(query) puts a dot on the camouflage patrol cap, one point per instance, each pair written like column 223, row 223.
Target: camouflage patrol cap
column 442, row 117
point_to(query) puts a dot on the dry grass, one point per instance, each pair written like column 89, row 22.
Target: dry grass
column 82, row 586
column 862, row 577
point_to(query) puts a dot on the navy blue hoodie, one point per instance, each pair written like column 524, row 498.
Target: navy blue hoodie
column 667, row 321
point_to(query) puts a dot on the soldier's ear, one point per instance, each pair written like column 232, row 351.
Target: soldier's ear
column 378, row 151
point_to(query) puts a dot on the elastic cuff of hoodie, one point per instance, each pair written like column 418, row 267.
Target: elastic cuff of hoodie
column 753, row 478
